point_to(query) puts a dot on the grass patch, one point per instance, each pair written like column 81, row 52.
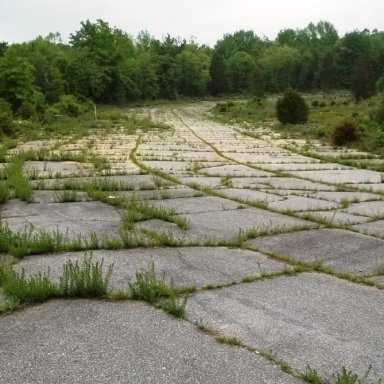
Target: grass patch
column 26, row 290
column 85, row 279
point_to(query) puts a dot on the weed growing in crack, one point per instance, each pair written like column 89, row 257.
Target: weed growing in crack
column 67, row 196
column 229, row 340
column 154, row 290
column 149, row 287
column 84, row 280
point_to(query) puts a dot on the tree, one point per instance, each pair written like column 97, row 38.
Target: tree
column 193, row 70
column 103, row 49
column 328, row 74
column 292, row 108
column 17, row 82
column 218, row 71
column 363, row 80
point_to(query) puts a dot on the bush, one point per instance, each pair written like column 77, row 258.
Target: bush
column 345, row 132
column 27, row 111
column 380, row 84
column 68, row 105
column 292, row 108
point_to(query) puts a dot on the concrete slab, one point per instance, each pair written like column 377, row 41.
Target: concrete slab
column 301, row 203
column 374, row 228
column 184, row 266
column 311, row 165
column 309, row 318
column 71, row 219
column 169, row 165
column 341, row 176
column 280, row 183
column 369, row 208
column 235, row 170
column 178, row 192
column 249, row 194
column 55, row 196
column 334, row 217
column 226, row 225
column 374, row 187
column 340, row 249
column 202, row 181
column 64, row 168
column 73, row 341
column 350, row 196
column 197, row 204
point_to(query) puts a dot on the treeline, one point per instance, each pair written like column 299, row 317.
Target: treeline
column 106, row 65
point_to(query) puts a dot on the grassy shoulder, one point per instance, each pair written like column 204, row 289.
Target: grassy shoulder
column 325, row 113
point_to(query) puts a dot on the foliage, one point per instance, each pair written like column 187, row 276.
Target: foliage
column 106, row 65
column 345, row 132
column 292, row 108
column 6, row 119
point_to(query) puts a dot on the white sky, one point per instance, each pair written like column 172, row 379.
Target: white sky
column 204, row 20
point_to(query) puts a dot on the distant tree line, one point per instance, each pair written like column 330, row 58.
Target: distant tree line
column 106, row 65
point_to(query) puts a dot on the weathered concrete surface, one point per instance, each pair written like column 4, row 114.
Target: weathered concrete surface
column 310, row 319
column 197, row 204
column 64, row 168
column 334, row 217
column 350, row 196
column 72, row 219
column 88, row 342
column 235, row 170
column 228, row 224
column 368, row 208
column 341, row 176
column 184, row 266
column 339, row 249
column 375, row 228
column 280, row 182
column 251, row 195
column 301, row 203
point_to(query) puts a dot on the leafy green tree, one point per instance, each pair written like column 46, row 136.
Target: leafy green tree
column 17, row 82
column 219, row 83
column 292, row 108
column 102, row 49
column 193, row 70
column 279, row 64
column 240, row 67
column 363, row 80
column 328, row 72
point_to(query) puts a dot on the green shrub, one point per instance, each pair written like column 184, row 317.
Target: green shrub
column 292, row 108
column 68, row 105
column 345, row 132
column 315, row 103
column 27, row 111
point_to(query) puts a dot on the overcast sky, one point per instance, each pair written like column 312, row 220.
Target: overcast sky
column 204, row 20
